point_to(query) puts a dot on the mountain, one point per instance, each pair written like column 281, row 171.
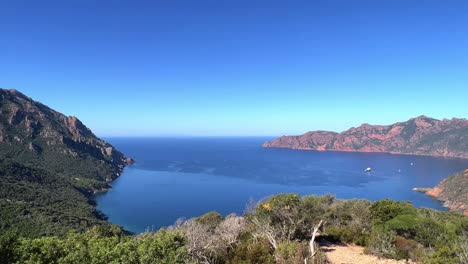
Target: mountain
column 50, row 166
column 452, row 191
column 419, row 136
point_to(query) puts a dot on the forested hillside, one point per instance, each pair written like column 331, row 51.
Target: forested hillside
column 50, row 166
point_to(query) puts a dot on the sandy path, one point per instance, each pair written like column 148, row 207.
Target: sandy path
column 349, row 254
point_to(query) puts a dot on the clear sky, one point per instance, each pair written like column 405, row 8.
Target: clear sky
column 152, row 68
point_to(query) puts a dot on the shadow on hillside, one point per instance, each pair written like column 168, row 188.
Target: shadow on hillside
column 327, row 243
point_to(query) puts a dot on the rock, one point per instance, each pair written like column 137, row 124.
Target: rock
column 33, row 126
column 452, row 191
column 129, row 161
column 419, row 136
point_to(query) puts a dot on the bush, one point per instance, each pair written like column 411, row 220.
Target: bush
column 348, row 234
column 404, row 225
column 408, row 249
column 162, row 247
column 291, row 252
column 211, row 219
column 385, row 210
column 429, row 232
column 443, row 255
column 41, row 250
column 252, row 253
column 381, row 243
column 8, row 244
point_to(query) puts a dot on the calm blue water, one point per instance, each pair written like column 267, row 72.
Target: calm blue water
column 187, row 177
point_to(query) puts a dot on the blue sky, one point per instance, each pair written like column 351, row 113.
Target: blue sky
column 227, row 68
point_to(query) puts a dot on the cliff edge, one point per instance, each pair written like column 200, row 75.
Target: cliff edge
column 452, row 191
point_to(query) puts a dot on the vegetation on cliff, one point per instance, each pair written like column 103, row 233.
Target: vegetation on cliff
column 421, row 136
column 452, row 191
column 50, row 166
column 276, row 230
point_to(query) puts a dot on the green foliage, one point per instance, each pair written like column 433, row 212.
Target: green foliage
column 278, row 231
column 98, row 246
column 49, row 168
column 8, row 244
column 210, row 219
column 408, row 249
column 404, row 225
column 444, row 254
column 429, row 232
column 349, row 221
column 381, row 243
column 292, row 252
column 386, row 210
column 41, row 250
column 252, row 253
column 36, row 203
column 162, row 247
column 348, row 234
column 279, row 203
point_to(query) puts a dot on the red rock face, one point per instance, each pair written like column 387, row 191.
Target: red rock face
column 453, row 192
column 40, row 129
column 420, row 136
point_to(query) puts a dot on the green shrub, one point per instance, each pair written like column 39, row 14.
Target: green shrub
column 429, row 232
column 385, row 210
column 381, row 243
column 291, row 252
column 444, row 254
column 8, row 244
column 211, row 219
column 343, row 233
column 404, row 225
column 408, row 249
column 162, row 247
column 40, row 250
column 252, row 253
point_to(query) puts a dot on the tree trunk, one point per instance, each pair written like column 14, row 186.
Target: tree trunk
column 312, row 240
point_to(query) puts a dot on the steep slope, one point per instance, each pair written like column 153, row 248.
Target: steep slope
column 421, row 136
column 50, row 165
column 452, row 191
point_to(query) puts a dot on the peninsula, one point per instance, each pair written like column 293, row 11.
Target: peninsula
column 452, row 192
column 417, row 136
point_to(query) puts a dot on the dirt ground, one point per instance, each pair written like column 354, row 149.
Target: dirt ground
column 350, row 254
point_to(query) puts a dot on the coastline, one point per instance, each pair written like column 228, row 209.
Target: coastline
column 382, row 152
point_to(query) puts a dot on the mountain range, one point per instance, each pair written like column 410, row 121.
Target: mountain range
column 418, row 136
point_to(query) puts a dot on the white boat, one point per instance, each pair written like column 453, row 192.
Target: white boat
column 368, row 170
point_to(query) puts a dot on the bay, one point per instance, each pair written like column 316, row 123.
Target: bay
column 187, row 177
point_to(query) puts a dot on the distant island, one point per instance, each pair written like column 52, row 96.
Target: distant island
column 417, row 136
column 452, row 191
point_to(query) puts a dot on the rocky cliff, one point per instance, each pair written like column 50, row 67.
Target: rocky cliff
column 452, row 191
column 420, row 136
column 50, row 165
column 32, row 133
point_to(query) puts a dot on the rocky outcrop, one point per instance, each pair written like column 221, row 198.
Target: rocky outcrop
column 32, row 133
column 129, row 161
column 52, row 165
column 419, row 136
column 452, row 191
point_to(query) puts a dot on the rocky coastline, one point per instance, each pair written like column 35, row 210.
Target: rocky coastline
column 452, row 192
column 417, row 136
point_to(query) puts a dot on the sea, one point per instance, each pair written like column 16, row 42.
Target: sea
column 185, row 177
